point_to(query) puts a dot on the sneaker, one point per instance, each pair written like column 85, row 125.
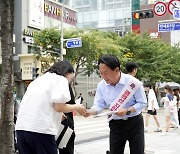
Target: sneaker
column 164, row 134
column 158, row 130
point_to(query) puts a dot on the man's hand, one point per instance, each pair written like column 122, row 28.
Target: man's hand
column 122, row 112
column 90, row 112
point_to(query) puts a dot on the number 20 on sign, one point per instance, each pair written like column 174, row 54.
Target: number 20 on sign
column 160, row 8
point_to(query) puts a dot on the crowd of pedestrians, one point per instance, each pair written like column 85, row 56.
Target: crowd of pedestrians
column 45, row 121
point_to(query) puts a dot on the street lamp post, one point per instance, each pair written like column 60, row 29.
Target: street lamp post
column 61, row 45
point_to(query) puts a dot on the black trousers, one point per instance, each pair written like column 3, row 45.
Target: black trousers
column 35, row 143
column 123, row 130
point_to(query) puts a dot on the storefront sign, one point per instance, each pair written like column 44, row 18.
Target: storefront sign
column 53, row 10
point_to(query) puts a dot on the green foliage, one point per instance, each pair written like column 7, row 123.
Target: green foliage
column 94, row 44
column 157, row 60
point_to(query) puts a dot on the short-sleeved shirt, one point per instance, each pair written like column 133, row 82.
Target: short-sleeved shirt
column 36, row 113
column 152, row 98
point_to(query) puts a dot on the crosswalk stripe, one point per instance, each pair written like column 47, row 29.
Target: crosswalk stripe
column 91, row 130
column 77, row 123
column 93, row 125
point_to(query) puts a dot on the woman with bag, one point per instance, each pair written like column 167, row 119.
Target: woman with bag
column 41, row 110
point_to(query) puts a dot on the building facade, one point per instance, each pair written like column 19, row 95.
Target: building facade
column 32, row 16
column 114, row 15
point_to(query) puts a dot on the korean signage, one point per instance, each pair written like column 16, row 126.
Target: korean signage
column 26, row 65
column 170, row 26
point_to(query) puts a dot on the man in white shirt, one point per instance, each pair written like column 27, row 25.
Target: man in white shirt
column 41, row 108
column 152, row 107
column 127, row 124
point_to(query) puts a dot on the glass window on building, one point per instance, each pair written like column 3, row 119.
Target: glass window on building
column 126, row 13
column 85, row 9
column 31, row 49
column 85, row 2
column 80, row 18
column 109, row 1
column 78, row 9
column 109, row 6
column 93, row 5
column 78, row 3
column 119, row 22
column 118, row 5
column 111, row 15
column 126, row 3
column 119, row 14
column 101, row 5
column 94, row 24
column 111, row 23
column 94, row 16
column 87, row 17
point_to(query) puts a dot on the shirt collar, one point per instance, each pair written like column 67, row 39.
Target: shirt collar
column 121, row 81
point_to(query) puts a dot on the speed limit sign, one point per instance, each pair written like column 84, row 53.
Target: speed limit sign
column 160, row 8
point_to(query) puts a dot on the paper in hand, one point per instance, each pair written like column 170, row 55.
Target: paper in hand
column 105, row 114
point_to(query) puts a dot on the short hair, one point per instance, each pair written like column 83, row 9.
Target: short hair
column 130, row 66
column 61, row 68
column 168, row 88
column 147, row 85
column 110, row 60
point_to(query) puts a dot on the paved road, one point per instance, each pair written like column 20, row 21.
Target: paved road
column 92, row 137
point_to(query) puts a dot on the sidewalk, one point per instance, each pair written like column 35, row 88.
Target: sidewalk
column 155, row 143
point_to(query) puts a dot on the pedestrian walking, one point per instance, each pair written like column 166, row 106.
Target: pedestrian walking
column 152, row 107
column 127, row 124
column 41, row 110
column 132, row 68
column 79, row 99
column 169, row 107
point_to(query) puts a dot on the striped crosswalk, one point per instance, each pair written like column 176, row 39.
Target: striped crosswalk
column 86, row 128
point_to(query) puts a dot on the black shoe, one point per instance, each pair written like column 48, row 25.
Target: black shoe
column 108, row 152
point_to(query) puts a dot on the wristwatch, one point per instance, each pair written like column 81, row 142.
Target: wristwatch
column 128, row 112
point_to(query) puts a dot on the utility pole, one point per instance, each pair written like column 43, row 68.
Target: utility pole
column 61, row 44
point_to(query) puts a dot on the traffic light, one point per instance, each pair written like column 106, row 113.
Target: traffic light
column 143, row 14
column 35, row 72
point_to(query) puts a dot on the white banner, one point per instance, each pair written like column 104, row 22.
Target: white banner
column 36, row 14
column 124, row 96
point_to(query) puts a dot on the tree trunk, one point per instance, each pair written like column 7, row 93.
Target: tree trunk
column 7, row 104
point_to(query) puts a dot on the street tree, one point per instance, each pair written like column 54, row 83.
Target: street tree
column 94, row 44
column 158, row 60
column 6, row 117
